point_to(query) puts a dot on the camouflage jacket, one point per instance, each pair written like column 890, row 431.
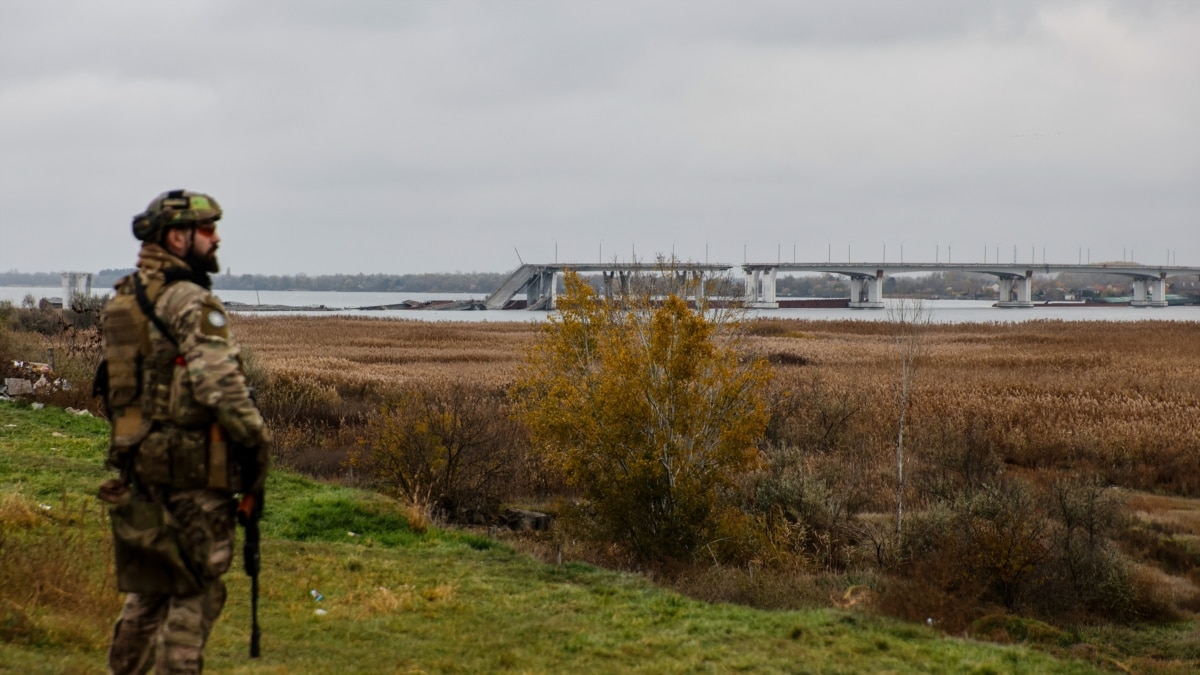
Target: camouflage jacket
column 193, row 378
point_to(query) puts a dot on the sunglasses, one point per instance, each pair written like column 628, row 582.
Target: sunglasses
column 206, row 229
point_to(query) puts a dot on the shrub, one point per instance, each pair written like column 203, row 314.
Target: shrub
column 443, row 448
column 1083, row 572
column 1001, row 539
column 647, row 409
column 816, row 497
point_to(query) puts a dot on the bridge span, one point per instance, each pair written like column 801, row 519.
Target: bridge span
column 538, row 282
column 1016, row 279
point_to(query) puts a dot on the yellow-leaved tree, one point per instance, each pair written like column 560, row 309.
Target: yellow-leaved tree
column 647, row 406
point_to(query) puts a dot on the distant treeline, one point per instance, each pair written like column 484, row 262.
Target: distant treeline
column 937, row 284
column 446, row 282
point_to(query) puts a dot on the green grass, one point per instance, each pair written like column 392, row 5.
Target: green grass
column 398, row 601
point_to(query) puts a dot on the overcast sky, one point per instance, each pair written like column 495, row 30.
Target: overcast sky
column 404, row 137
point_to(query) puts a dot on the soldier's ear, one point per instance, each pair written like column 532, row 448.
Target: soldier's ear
column 175, row 241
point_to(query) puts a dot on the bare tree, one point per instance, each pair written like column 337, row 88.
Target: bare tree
column 909, row 318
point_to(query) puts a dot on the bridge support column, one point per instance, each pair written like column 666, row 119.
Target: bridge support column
column 542, row 290
column 867, row 292
column 760, row 289
column 1016, row 291
column 1148, row 292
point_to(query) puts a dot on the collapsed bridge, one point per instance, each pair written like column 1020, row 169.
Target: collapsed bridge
column 539, row 282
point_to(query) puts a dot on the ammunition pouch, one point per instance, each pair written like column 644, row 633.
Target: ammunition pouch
column 173, row 457
column 187, row 459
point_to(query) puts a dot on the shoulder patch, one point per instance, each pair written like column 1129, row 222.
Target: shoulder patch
column 213, row 321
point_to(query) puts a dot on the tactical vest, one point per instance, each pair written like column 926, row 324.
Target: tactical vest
column 142, row 380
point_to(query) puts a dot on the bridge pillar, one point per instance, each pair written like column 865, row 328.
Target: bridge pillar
column 760, row 289
column 1016, row 291
column 542, row 290
column 867, row 292
column 1148, row 292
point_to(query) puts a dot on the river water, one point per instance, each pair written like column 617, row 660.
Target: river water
column 940, row 311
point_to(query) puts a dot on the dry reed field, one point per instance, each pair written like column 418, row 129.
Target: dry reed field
column 1118, row 398
column 379, row 353
column 1045, row 393
column 1122, row 398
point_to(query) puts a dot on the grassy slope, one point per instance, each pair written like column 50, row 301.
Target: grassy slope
column 398, row 601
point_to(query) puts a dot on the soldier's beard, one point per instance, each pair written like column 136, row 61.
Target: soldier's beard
column 204, row 263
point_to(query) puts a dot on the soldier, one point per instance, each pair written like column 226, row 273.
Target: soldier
column 175, row 390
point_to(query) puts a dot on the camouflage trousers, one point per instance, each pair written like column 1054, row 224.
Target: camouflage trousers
column 168, row 632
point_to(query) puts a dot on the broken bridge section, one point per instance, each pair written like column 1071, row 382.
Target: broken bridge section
column 539, row 283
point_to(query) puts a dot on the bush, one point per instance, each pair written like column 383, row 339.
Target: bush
column 645, row 405
column 1001, row 539
column 41, row 320
column 814, row 497
column 444, row 448
column 1083, row 572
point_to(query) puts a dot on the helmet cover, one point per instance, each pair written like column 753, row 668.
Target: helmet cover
column 175, row 209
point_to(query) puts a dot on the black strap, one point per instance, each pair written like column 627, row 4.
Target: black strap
column 143, row 301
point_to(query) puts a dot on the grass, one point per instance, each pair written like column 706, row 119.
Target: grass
column 398, row 601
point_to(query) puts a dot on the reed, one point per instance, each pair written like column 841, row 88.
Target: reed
column 1122, row 398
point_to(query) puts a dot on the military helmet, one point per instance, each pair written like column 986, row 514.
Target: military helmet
column 175, row 209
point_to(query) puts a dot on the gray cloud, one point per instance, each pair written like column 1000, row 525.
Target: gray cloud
column 408, row 137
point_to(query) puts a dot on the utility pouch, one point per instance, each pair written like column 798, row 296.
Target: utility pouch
column 152, row 462
column 146, row 544
column 177, row 458
column 189, row 459
column 126, row 345
column 129, row 429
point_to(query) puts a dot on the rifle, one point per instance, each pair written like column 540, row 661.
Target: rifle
column 249, row 512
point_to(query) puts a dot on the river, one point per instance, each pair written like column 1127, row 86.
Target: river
column 940, row 311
